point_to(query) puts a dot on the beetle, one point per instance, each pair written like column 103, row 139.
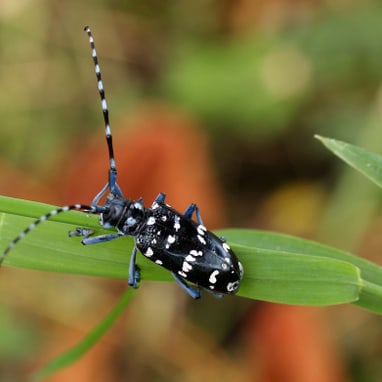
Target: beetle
column 196, row 257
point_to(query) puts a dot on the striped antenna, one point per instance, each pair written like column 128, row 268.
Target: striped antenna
column 32, row 226
column 112, row 185
column 101, row 91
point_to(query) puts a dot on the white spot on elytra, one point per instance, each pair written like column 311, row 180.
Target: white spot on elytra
column 196, row 253
column 171, row 239
column 149, row 252
column 186, row 267
column 151, row 220
column 190, row 258
column 201, row 229
column 159, row 262
column 201, row 239
column 231, row 287
column 182, row 274
column 213, row 275
column 226, row 247
column 177, row 223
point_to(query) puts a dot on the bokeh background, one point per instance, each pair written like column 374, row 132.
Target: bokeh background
column 213, row 102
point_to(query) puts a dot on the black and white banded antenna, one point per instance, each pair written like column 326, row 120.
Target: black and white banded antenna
column 47, row 216
column 112, row 178
column 94, row 208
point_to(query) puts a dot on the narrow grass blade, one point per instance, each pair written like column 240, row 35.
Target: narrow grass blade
column 365, row 162
column 76, row 352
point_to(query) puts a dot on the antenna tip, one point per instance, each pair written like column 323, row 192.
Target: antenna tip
column 86, row 28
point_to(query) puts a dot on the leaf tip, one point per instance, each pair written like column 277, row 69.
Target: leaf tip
column 319, row 137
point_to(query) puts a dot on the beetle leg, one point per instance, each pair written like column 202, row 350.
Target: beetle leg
column 216, row 295
column 134, row 273
column 84, row 232
column 160, row 198
column 190, row 210
column 96, row 239
column 194, row 293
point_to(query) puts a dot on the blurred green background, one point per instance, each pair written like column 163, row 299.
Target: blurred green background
column 255, row 80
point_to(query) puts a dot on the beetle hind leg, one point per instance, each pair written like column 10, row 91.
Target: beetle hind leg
column 193, row 292
column 134, row 272
column 190, row 210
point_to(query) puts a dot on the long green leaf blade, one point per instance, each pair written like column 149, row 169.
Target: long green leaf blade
column 370, row 296
column 367, row 163
column 287, row 274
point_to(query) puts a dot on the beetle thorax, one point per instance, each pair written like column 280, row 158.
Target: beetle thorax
column 124, row 214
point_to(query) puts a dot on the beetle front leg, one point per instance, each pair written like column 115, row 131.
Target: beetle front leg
column 88, row 240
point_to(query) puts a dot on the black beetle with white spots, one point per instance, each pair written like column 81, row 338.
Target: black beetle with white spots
column 195, row 256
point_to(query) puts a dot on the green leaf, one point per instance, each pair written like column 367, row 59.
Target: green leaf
column 370, row 293
column 49, row 248
column 76, row 352
column 366, row 163
column 294, row 271
column 293, row 278
column 278, row 268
